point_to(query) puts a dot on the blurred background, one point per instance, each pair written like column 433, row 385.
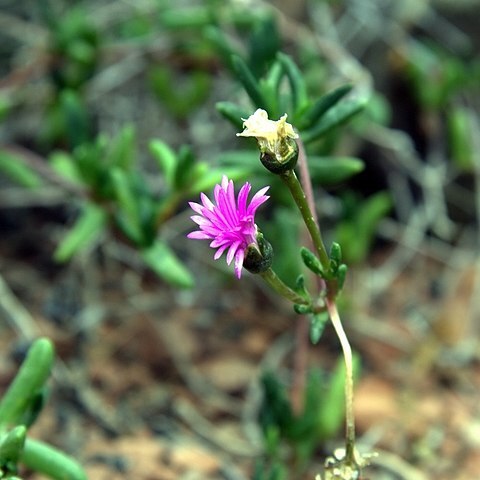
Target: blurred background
column 113, row 115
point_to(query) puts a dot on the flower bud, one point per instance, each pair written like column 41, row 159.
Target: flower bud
column 283, row 160
column 258, row 256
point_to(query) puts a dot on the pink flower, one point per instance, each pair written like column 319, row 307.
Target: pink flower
column 228, row 222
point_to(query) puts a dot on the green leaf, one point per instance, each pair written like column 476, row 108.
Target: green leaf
column 122, row 150
column 64, row 164
column 297, row 83
column 75, row 116
column 29, row 380
column 327, row 171
column 185, row 169
column 264, row 43
column 128, row 214
column 335, row 257
column 334, row 117
column 270, row 87
column 47, row 460
column 11, row 445
column 213, row 176
column 186, row 18
column 311, row 261
column 233, row 113
column 341, row 275
column 302, row 309
column 161, row 259
column 15, row 168
column 275, row 410
column 300, row 286
column 317, row 326
column 249, row 82
column 249, row 159
column 84, row 233
column 222, row 44
column 321, row 106
column 460, row 133
column 89, row 160
column 166, row 160
column 32, row 412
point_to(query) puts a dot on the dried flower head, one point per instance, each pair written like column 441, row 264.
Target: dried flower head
column 228, row 222
column 275, row 138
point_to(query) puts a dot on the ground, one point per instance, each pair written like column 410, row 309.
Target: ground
column 152, row 383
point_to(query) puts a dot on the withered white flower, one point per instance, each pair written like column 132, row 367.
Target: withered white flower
column 270, row 134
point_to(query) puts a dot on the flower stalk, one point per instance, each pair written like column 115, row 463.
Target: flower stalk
column 347, row 355
column 296, row 190
column 281, row 288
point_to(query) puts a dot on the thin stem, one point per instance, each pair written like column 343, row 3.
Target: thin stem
column 347, row 354
column 291, row 180
column 281, row 288
column 302, row 340
column 305, row 179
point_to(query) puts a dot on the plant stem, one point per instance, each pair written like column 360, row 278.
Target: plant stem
column 291, row 180
column 302, row 341
column 305, row 179
column 281, row 288
column 347, row 354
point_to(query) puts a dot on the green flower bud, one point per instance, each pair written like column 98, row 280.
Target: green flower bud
column 283, row 161
column 258, row 256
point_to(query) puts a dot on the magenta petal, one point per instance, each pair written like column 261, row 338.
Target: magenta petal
column 228, row 221
column 198, row 235
column 199, row 220
column 242, row 198
column 207, row 203
column 239, row 257
column 232, row 251
column 220, row 251
column 197, row 208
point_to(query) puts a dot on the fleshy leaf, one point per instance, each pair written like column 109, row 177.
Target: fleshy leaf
column 11, row 445
column 334, row 117
column 322, row 105
column 122, row 150
column 49, row 461
column 317, row 325
column 233, row 113
column 297, row 82
column 65, row 165
column 213, row 176
column 166, row 160
column 128, row 201
column 311, row 261
column 29, row 380
column 163, row 261
column 247, row 79
column 327, row 171
column 87, row 229
column 14, row 166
